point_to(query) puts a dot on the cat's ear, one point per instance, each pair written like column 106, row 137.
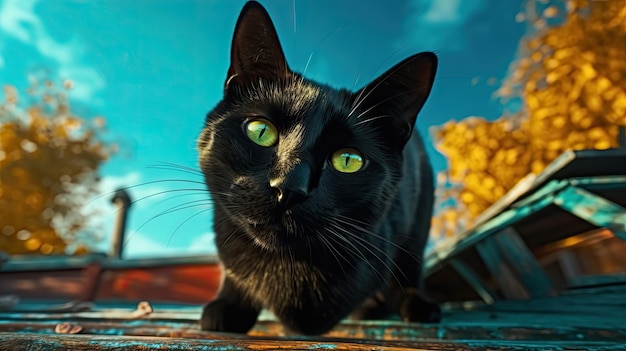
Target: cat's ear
column 400, row 94
column 256, row 50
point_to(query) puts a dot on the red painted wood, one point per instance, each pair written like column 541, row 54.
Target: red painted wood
column 185, row 283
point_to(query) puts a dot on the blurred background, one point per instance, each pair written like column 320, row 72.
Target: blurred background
column 103, row 95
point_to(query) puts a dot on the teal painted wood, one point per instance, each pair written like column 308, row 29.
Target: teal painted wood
column 600, row 182
column 477, row 283
column 578, row 319
column 593, row 209
column 510, row 261
column 581, row 319
column 482, row 232
column 602, row 169
column 519, row 257
column 50, row 263
column 33, row 342
column 505, row 279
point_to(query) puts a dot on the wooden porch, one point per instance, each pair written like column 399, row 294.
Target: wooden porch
column 580, row 319
column 543, row 269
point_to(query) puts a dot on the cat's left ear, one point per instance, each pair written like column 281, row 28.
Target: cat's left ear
column 256, row 50
column 400, row 93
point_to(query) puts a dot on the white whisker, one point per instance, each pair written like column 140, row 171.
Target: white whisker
column 371, row 119
column 366, row 245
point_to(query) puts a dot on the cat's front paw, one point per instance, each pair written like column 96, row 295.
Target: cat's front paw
column 225, row 316
column 373, row 308
column 417, row 308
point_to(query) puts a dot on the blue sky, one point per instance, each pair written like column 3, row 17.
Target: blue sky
column 153, row 68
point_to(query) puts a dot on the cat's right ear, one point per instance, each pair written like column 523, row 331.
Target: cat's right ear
column 256, row 51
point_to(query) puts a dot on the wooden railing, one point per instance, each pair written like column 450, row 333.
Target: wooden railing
column 579, row 192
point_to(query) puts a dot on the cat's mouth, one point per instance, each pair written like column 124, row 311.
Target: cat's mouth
column 273, row 235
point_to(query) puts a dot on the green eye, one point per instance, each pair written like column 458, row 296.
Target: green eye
column 262, row 132
column 347, row 160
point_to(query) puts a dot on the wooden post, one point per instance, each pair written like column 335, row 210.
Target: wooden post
column 122, row 200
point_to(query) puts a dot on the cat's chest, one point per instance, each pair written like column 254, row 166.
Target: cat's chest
column 280, row 278
column 273, row 277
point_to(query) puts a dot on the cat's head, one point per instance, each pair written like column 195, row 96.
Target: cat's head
column 290, row 162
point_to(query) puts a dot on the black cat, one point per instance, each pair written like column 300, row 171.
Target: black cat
column 322, row 197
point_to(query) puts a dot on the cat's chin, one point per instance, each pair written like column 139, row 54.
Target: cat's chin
column 277, row 244
column 273, row 237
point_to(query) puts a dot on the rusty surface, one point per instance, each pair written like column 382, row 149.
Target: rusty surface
column 182, row 283
column 181, row 280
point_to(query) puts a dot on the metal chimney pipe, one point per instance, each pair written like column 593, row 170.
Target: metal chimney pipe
column 121, row 199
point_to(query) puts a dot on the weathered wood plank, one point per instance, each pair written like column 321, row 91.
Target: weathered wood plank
column 582, row 319
column 566, row 199
column 35, row 342
column 520, row 258
column 479, row 329
column 474, row 280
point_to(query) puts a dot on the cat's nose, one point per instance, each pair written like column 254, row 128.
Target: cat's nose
column 293, row 187
column 288, row 198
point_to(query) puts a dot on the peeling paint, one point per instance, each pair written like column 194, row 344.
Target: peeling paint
column 323, row 347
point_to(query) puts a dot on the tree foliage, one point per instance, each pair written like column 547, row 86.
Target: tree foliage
column 571, row 81
column 49, row 159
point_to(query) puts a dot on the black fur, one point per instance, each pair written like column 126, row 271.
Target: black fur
column 294, row 235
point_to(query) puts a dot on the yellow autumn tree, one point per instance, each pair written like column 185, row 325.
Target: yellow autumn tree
column 572, row 77
column 49, row 159
column 571, row 80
